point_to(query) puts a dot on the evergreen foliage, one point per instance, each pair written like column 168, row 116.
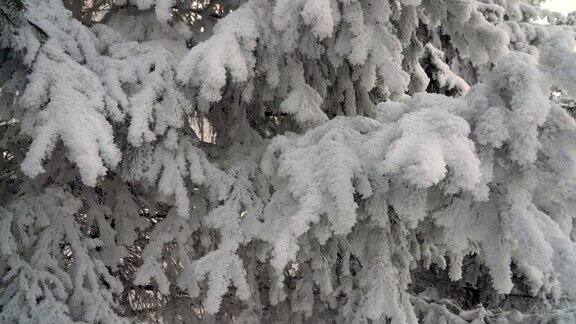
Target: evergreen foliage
column 321, row 161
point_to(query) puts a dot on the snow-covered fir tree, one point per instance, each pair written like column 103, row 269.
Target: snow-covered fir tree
column 287, row 161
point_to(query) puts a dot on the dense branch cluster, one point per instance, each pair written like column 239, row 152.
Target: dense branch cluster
column 287, row 161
